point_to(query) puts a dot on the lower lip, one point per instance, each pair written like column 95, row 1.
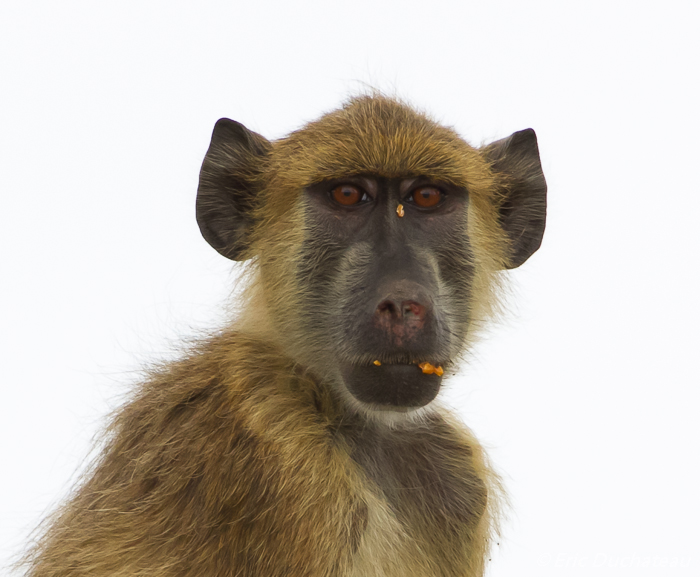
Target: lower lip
column 391, row 386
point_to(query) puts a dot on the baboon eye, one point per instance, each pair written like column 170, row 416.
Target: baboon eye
column 426, row 196
column 348, row 195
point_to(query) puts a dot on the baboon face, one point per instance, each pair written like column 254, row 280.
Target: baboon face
column 377, row 235
column 386, row 295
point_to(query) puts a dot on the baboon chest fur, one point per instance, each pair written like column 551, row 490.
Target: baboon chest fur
column 307, row 438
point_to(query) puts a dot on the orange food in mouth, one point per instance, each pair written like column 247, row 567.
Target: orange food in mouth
column 429, row 369
column 426, row 367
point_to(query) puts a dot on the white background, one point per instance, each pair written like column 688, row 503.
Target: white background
column 586, row 395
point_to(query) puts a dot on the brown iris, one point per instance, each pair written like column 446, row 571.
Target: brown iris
column 347, row 194
column 426, row 196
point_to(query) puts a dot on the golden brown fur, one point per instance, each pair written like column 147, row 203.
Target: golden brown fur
column 242, row 460
column 230, row 462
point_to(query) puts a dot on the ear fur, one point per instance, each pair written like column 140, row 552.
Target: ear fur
column 522, row 212
column 228, row 183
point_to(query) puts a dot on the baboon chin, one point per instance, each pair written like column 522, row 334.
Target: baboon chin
column 376, row 239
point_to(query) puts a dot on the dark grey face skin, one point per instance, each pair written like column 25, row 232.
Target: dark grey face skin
column 377, row 286
column 376, row 283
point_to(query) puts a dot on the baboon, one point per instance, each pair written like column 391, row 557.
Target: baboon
column 306, row 439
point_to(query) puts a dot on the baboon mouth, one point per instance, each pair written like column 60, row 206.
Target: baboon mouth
column 426, row 367
column 394, row 385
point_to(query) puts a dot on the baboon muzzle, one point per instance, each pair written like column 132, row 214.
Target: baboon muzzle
column 400, row 328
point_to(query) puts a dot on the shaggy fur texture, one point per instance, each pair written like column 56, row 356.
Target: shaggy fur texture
column 246, row 458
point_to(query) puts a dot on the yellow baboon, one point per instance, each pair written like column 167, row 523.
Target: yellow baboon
column 305, row 439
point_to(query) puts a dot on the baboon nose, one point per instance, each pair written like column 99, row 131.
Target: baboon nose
column 401, row 310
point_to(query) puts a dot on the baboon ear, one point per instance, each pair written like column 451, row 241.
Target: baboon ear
column 517, row 160
column 228, row 183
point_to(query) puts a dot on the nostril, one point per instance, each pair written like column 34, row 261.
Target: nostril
column 388, row 307
column 412, row 308
column 406, row 310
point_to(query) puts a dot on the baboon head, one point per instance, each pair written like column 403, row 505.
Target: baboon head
column 376, row 238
